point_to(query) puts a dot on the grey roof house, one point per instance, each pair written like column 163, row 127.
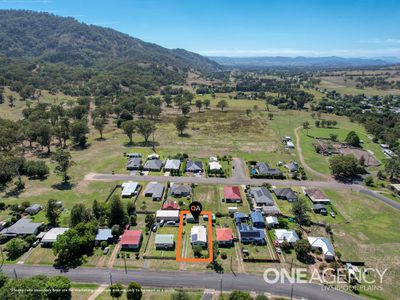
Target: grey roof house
column 181, row 190
column 33, row 209
column 104, row 234
column 261, row 196
column 249, row 234
column 164, row 241
column 153, row 165
column 172, row 164
column 22, row 227
column 194, row 166
column 292, row 166
column 285, row 193
column 264, row 169
column 154, row 190
column 134, row 163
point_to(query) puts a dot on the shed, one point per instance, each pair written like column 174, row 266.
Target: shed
column 164, row 241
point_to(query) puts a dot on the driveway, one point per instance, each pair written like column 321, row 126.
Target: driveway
column 239, row 168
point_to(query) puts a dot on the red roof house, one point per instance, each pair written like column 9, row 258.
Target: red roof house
column 232, row 194
column 131, row 239
column 170, row 205
column 224, row 236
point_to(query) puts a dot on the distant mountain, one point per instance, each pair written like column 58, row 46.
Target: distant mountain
column 43, row 39
column 307, row 62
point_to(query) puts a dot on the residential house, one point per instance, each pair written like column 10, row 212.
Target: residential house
column 317, row 196
column 194, row 166
column 22, row 227
column 132, row 155
column 264, row 169
column 131, row 239
column 395, row 188
column 198, row 236
column 33, row 209
column 134, row 163
column 205, row 217
column 104, row 234
column 271, row 210
column 319, row 208
column 224, row 237
column 240, row 217
column 167, row 215
column 286, row 194
column 257, row 219
column 154, row 165
column 261, row 196
column 249, row 234
column 324, row 245
column 271, row 221
column 51, row 236
column 232, row 209
column 214, row 166
column 164, row 241
column 170, row 205
column 232, row 194
column 154, row 190
column 172, row 164
column 292, row 166
column 181, row 190
column 129, row 189
column 289, row 236
column 213, row 158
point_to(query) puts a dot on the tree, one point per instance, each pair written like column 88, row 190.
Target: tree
column 145, row 128
column 248, row 112
column 239, row 295
column 270, row 116
column 302, row 248
column 261, row 297
column 63, row 160
column 129, row 128
column 44, row 135
column 58, row 288
column 16, row 247
column 131, row 208
column 180, row 295
column 392, row 167
column 299, row 210
column 181, row 124
column 134, row 291
column 74, row 243
column 52, row 212
column 99, row 209
column 222, row 104
column 117, row 213
column 116, row 290
column 80, row 214
column 11, row 100
column 206, row 103
column 333, row 137
column 352, row 139
column 149, row 220
column 199, row 104
column 168, row 99
column 345, row 166
column 79, row 129
column 99, row 123
column 185, row 108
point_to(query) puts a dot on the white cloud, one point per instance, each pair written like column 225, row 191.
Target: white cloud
column 381, row 41
column 302, row 52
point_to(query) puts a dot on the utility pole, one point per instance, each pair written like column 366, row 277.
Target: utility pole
column 111, row 279
column 220, row 286
column 15, row 274
column 126, row 271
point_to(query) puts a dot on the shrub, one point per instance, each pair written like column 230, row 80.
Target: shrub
column 103, row 244
column 223, row 255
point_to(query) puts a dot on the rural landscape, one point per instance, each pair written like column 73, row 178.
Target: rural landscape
column 107, row 140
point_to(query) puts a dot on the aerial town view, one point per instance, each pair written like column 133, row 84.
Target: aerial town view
column 188, row 150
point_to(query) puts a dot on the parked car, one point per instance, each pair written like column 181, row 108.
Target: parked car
column 332, row 214
column 105, row 250
column 161, row 223
column 154, row 228
column 35, row 243
column 278, row 250
column 171, row 223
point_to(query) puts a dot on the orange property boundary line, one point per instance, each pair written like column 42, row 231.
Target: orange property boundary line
column 210, row 246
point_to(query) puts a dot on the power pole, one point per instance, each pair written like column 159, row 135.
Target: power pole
column 111, row 279
column 126, row 271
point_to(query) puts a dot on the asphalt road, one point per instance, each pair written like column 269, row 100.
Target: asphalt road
column 182, row 279
column 243, row 180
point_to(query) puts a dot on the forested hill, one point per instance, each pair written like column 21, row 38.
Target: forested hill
column 44, row 43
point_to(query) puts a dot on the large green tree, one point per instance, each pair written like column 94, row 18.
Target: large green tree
column 63, row 161
column 117, row 212
column 80, row 214
column 181, row 124
column 52, row 212
column 345, row 166
column 145, row 127
column 352, row 139
column 134, row 291
column 129, row 128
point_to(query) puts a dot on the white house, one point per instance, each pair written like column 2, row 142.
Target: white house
column 214, row 165
column 198, row 236
column 289, row 236
column 271, row 221
column 51, row 236
column 129, row 189
column 324, row 244
column 167, row 215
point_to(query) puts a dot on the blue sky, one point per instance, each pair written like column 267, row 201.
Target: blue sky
column 350, row 28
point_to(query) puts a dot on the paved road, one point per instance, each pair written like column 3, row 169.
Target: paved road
column 243, row 181
column 181, row 279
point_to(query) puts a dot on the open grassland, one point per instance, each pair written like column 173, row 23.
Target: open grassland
column 348, row 88
column 370, row 236
column 151, row 294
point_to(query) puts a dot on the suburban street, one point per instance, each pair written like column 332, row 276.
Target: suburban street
column 181, row 279
column 241, row 180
